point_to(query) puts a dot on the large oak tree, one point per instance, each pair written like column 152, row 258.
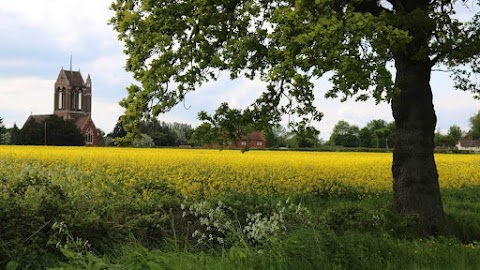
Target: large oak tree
column 174, row 46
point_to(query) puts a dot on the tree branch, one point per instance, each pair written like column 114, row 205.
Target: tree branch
column 366, row 6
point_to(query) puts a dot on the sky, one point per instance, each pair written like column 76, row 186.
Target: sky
column 38, row 38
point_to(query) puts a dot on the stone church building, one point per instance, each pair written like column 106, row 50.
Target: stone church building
column 72, row 100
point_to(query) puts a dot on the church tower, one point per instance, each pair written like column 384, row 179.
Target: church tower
column 73, row 96
column 88, row 95
column 72, row 101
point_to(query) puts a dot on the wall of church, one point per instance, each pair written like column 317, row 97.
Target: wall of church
column 96, row 138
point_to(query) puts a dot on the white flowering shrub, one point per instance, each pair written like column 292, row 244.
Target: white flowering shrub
column 143, row 140
column 212, row 224
column 219, row 224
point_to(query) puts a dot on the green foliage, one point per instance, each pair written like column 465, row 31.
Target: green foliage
column 474, row 131
column 450, row 139
column 456, row 133
column 304, row 137
column 174, row 47
column 118, row 130
column 143, row 140
column 15, row 135
column 344, row 134
column 307, row 232
column 32, row 133
column 226, row 125
column 162, row 134
column 3, row 131
column 58, row 131
column 365, row 137
column 276, row 137
column 376, row 134
column 166, row 134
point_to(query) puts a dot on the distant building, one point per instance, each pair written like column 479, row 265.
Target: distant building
column 254, row 140
column 72, row 100
column 469, row 144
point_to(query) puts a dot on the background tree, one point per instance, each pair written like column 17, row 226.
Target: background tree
column 376, row 134
column 340, row 130
column 441, row 140
column 276, row 137
column 271, row 138
column 15, row 135
column 344, row 134
column 450, row 139
column 304, row 137
column 117, row 136
column 456, row 133
column 143, row 141
column 474, row 131
column 32, row 133
column 6, row 137
column 289, row 44
column 3, row 131
column 102, row 137
column 225, row 125
column 162, row 134
column 391, row 137
column 58, row 131
column 118, row 130
column 166, row 134
column 183, row 132
column 62, row 132
column 379, row 132
column 365, row 137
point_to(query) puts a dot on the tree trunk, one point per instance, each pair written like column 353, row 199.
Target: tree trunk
column 416, row 189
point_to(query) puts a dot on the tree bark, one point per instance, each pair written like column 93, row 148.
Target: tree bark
column 416, row 189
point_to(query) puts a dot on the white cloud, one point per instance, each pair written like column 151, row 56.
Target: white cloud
column 67, row 22
column 24, row 95
column 105, row 114
column 64, row 26
column 13, row 63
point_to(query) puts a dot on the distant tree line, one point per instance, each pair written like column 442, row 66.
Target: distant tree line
column 376, row 134
column 474, row 131
column 450, row 139
column 4, row 133
column 380, row 134
column 301, row 137
column 51, row 131
column 152, row 133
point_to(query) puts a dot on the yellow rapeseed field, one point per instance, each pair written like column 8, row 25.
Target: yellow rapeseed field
column 103, row 172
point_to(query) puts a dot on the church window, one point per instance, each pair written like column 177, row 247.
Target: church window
column 89, row 136
column 72, row 100
column 61, row 95
column 79, row 100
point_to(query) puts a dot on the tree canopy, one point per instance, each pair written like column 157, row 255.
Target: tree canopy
column 376, row 134
column 3, row 130
column 450, row 139
column 173, row 47
column 176, row 46
column 474, row 131
column 152, row 133
column 57, row 130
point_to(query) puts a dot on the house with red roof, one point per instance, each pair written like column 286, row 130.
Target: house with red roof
column 254, row 140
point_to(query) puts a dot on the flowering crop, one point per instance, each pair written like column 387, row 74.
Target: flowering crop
column 104, row 172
